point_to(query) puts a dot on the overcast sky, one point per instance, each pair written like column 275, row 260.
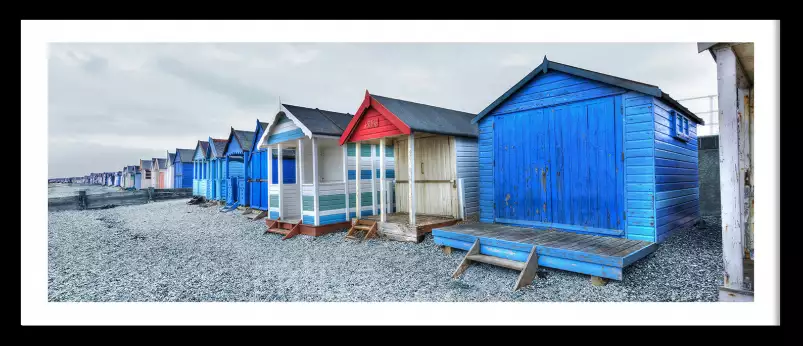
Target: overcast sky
column 112, row 104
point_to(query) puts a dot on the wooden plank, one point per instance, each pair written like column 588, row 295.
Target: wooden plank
column 497, row 261
column 628, row 250
column 475, row 250
column 530, row 270
column 612, row 251
column 597, row 247
column 411, row 176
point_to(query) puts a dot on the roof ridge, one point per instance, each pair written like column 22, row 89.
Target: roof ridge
column 424, row 104
column 328, row 118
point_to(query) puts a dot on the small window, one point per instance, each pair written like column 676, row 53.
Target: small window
column 686, row 126
column 147, row 174
column 679, row 126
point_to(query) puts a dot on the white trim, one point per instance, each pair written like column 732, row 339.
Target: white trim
column 315, row 180
column 272, row 121
column 382, row 187
column 358, row 202
column 269, row 158
column 280, row 177
column 411, row 177
column 300, row 173
column 346, row 179
column 373, row 178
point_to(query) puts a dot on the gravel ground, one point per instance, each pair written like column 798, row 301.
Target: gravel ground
column 170, row 251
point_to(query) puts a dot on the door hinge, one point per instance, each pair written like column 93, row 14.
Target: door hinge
column 623, row 156
column 624, row 215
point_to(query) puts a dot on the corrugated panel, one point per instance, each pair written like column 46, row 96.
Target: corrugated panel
column 468, row 169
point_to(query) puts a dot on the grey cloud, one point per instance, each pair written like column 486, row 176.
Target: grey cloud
column 243, row 94
column 196, row 90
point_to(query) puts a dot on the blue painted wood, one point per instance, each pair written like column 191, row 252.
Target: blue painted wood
column 332, row 218
column 563, row 227
column 274, row 215
column 550, row 261
column 288, row 169
column 486, row 149
column 285, row 136
column 308, row 219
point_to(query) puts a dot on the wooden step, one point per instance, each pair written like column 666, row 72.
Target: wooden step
column 365, row 222
column 497, row 261
column 281, row 231
column 362, row 227
column 527, row 270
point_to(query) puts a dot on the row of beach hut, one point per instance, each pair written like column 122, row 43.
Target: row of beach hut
column 580, row 170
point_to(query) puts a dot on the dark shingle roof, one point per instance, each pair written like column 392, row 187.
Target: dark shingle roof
column 161, row 163
column 185, row 154
column 146, row 164
column 220, row 146
column 245, row 138
column 426, row 118
column 547, row 65
column 320, row 122
column 171, row 157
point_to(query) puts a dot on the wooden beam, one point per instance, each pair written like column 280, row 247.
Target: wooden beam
column 731, row 180
column 346, row 179
column 280, row 178
column 474, row 250
column 530, row 270
column 358, row 203
column 411, row 177
column 300, row 180
column 382, row 193
column 315, row 180
column 373, row 179
column 270, row 173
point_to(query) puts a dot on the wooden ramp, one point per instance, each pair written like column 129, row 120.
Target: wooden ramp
column 588, row 254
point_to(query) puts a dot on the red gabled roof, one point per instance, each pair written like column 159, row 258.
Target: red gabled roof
column 372, row 103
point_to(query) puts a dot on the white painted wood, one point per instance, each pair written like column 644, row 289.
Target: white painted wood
column 346, row 179
column 300, row 172
column 373, row 179
column 411, row 177
column 315, row 180
column 358, row 204
column 270, row 186
column 382, row 185
column 280, row 178
column 730, row 177
column 273, row 120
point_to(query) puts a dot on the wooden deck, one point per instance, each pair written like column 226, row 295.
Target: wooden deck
column 589, row 254
column 397, row 225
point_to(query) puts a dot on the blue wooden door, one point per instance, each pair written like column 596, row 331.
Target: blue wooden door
column 231, row 192
column 256, row 177
column 558, row 167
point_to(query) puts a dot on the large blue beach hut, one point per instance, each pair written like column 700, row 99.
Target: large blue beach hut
column 589, row 170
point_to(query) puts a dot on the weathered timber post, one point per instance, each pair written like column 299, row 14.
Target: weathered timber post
column 82, row 199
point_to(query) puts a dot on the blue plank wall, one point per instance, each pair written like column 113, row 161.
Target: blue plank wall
column 468, row 169
column 486, row 157
column 639, row 166
column 566, row 95
column 677, row 190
